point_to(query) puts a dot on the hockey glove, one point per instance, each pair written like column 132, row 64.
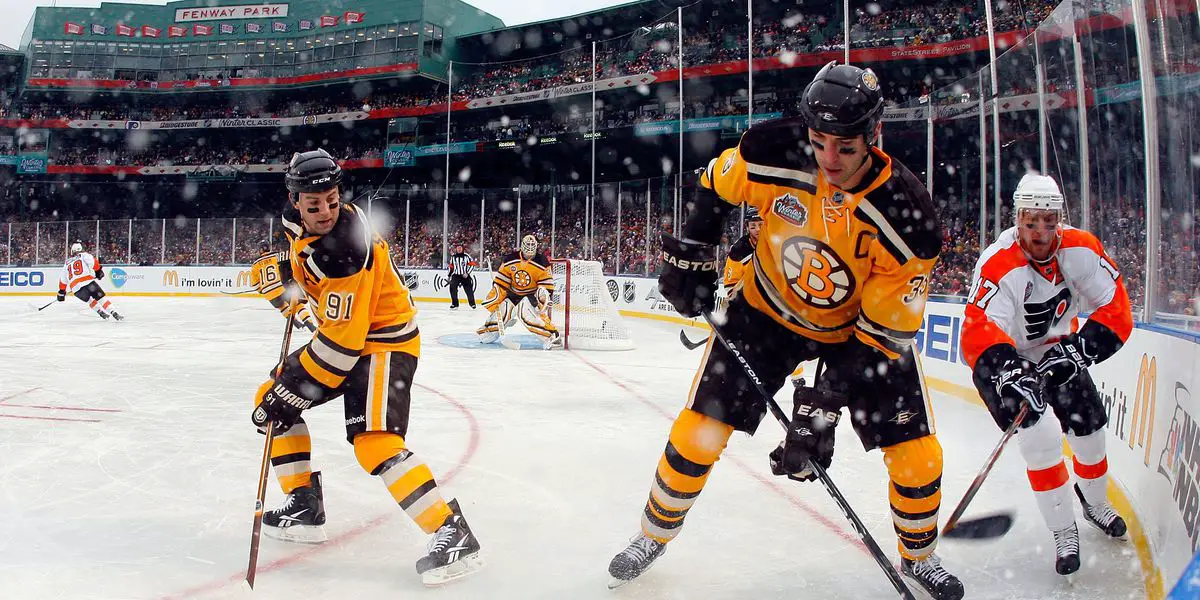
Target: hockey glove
column 279, row 404
column 809, row 438
column 61, row 296
column 1065, row 360
column 1016, row 384
column 689, row 275
column 99, row 273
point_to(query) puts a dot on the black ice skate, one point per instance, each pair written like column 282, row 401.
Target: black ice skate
column 933, row 577
column 634, row 560
column 453, row 551
column 1066, row 550
column 1102, row 516
column 302, row 516
column 116, row 315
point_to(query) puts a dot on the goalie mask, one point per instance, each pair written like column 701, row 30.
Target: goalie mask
column 529, row 247
column 1038, row 206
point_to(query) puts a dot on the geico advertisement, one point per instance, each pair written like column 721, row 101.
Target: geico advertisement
column 28, row 280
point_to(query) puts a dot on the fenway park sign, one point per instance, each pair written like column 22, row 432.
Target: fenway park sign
column 242, row 11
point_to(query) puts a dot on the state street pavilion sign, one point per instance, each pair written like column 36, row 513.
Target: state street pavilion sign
column 240, row 11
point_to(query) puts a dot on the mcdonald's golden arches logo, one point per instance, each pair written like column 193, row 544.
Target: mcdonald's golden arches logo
column 170, row 278
column 243, row 280
column 1145, row 399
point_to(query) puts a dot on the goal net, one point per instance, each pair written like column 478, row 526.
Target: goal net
column 583, row 310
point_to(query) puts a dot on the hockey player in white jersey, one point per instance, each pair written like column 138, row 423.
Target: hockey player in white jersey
column 80, row 275
column 1024, row 344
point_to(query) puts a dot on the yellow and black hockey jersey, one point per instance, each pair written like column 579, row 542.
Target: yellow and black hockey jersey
column 356, row 294
column 521, row 277
column 831, row 263
column 270, row 274
column 738, row 261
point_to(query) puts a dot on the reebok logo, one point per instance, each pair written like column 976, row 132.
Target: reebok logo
column 356, row 420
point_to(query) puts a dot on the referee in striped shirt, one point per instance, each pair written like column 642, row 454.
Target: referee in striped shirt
column 461, row 266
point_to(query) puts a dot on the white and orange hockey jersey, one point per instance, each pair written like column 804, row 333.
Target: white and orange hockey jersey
column 78, row 271
column 1031, row 306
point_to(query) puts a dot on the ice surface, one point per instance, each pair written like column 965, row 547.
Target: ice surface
column 128, row 466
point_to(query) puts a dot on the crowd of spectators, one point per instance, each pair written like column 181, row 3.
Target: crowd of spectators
column 647, row 50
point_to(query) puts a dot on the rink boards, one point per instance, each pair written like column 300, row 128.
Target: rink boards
column 1154, row 444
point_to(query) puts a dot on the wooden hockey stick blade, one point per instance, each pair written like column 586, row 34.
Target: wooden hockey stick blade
column 689, row 344
column 982, row 528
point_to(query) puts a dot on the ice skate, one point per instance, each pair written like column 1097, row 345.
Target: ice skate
column 302, row 516
column 929, row 573
column 634, row 560
column 453, row 551
column 1102, row 516
column 1066, row 550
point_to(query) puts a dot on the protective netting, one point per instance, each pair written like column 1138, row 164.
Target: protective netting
column 583, row 310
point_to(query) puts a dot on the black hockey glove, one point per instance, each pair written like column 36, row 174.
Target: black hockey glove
column 99, row 273
column 1016, row 383
column 61, row 296
column 815, row 416
column 279, row 404
column 689, row 275
column 1065, row 360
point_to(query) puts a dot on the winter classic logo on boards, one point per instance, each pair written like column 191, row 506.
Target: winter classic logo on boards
column 791, row 210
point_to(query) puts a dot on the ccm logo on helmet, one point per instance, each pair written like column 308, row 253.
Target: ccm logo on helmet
column 325, row 179
column 21, row 279
column 690, row 265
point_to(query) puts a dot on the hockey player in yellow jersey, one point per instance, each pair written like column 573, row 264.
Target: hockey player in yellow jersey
column 741, row 252
column 521, row 288
column 271, row 276
column 841, row 274
column 365, row 351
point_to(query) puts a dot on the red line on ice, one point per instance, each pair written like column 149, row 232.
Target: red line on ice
column 11, row 396
column 50, row 419
column 338, row 540
column 770, row 483
column 105, row 410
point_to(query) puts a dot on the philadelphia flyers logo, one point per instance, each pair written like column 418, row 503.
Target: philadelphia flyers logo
column 521, row 279
column 816, row 273
column 1041, row 316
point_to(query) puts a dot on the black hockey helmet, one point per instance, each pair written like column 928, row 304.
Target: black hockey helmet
column 844, row 101
column 752, row 214
column 312, row 171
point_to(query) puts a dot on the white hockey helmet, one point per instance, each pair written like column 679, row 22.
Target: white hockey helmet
column 529, row 246
column 1039, row 192
column 76, row 248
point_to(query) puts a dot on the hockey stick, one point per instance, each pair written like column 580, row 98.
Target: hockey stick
column 47, row 305
column 991, row 526
column 689, row 344
column 256, row 532
column 863, row 534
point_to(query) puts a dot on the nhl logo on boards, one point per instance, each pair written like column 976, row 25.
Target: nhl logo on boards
column 789, row 208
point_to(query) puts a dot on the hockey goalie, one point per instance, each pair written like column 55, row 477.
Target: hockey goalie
column 521, row 289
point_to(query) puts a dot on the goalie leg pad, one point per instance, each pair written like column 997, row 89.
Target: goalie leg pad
column 915, row 494
column 536, row 321
column 408, row 480
column 695, row 443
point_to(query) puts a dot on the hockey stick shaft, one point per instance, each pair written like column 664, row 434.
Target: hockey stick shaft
column 46, row 305
column 867, row 539
column 256, row 532
column 983, row 473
